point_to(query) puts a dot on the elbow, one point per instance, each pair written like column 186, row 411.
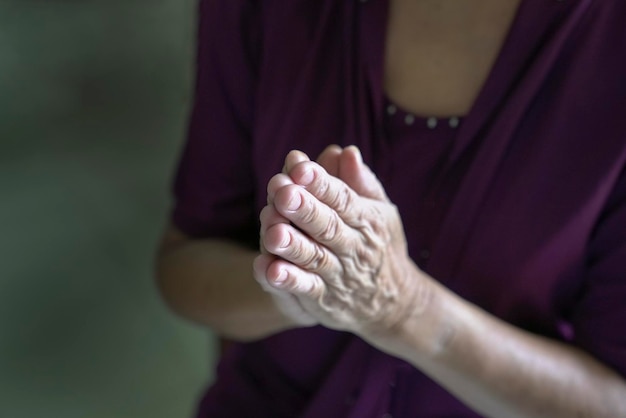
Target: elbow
column 163, row 282
column 165, row 271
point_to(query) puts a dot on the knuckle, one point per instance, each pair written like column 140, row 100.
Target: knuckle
column 315, row 260
column 342, row 200
column 374, row 225
column 311, row 212
column 321, row 186
column 296, row 251
column 330, row 230
column 377, row 225
column 368, row 260
column 317, row 289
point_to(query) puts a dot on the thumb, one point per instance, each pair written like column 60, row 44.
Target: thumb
column 356, row 174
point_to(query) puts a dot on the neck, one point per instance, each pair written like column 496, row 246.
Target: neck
column 440, row 52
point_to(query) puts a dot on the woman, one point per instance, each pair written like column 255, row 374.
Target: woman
column 495, row 287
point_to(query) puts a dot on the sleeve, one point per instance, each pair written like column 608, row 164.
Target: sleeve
column 599, row 319
column 213, row 186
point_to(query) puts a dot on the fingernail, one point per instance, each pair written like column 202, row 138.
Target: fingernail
column 294, row 202
column 280, row 280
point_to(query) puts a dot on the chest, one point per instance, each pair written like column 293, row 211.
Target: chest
column 439, row 54
column 521, row 209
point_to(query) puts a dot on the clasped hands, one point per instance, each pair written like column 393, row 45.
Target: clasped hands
column 333, row 249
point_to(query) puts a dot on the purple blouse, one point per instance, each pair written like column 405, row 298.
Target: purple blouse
column 521, row 209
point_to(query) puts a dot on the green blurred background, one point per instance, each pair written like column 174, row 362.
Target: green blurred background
column 93, row 101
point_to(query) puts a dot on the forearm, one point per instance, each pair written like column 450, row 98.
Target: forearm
column 347, row 264
column 500, row 370
column 210, row 282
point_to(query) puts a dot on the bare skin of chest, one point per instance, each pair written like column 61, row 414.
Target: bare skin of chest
column 439, row 53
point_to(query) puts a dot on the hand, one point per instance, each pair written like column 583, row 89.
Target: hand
column 340, row 253
column 286, row 302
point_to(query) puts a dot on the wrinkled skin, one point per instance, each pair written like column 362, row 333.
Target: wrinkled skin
column 333, row 246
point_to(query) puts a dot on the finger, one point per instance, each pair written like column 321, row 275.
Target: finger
column 287, row 303
column 288, row 277
column 271, row 283
column 275, row 183
column 322, row 223
column 269, row 217
column 359, row 176
column 329, row 159
column 288, row 243
column 259, row 269
column 329, row 190
column 294, row 157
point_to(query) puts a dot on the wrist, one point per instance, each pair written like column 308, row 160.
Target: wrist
column 419, row 326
